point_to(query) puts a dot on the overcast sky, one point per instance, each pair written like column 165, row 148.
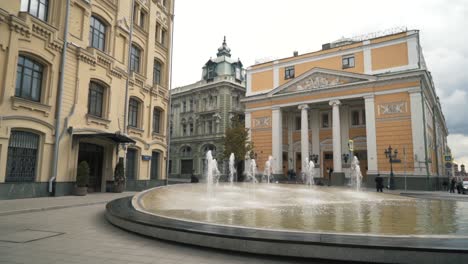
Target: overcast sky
column 258, row 29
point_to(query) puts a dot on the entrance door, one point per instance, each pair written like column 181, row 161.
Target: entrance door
column 362, row 157
column 327, row 164
column 298, row 165
column 94, row 156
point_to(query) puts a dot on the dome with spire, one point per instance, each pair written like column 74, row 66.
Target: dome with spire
column 224, row 50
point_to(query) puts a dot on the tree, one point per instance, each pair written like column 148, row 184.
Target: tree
column 236, row 140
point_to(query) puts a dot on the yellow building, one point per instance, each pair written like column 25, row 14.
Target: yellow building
column 97, row 116
column 375, row 91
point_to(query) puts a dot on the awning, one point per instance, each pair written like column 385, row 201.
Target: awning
column 117, row 138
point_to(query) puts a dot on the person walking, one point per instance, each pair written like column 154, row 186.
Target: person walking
column 452, row 185
column 379, row 183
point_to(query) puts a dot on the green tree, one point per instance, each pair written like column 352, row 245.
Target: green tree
column 236, row 140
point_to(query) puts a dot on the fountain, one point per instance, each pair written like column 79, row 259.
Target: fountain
column 232, row 169
column 268, row 169
column 356, row 175
column 212, row 173
column 251, row 170
column 310, row 172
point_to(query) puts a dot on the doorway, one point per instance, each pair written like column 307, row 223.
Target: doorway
column 362, row 157
column 94, row 156
column 327, row 164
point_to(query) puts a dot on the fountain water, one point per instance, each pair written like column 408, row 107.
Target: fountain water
column 232, row 169
column 356, row 175
column 251, row 170
column 212, row 173
column 268, row 169
column 310, row 172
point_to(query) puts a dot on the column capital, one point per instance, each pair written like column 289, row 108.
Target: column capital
column 369, row 97
column 334, row 102
column 275, row 107
column 303, row 106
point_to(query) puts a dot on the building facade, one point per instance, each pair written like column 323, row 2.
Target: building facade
column 116, row 73
column 201, row 112
column 376, row 92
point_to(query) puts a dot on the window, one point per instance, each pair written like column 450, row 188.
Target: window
column 157, row 72
column 184, row 129
column 95, row 99
column 210, row 127
column 133, row 108
column 184, row 106
column 348, row 62
column 163, row 37
column 22, row 157
column 164, row 3
column 171, row 129
column 37, row 8
column 191, row 104
column 142, row 19
column 158, row 29
column 358, row 117
column 325, row 120
column 156, row 121
column 211, row 72
column 135, row 59
column 298, row 122
column 289, row 72
column 155, row 161
column 131, row 163
column 191, row 128
column 186, row 151
column 29, row 79
column 97, row 33
column 170, row 166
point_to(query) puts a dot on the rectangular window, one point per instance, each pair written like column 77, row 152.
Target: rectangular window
column 298, row 123
column 191, row 128
column 184, row 129
column 191, row 105
column 355, row 118
column 142, row 19
column 95, row 100
column 156, row 121
column 158, row 31
column 155, row 161
column 135, row 59
column 22, row 157
column 348, row 62
column 325, row 120
column 184, row 106
column 289, row 72
column 163, row 37
column 28, row 79
column 131, row 163
column 210, row 127
column 157, row 72
column 37, row 8
column 133, row 113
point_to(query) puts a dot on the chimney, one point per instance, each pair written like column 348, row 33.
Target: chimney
column 296, row 53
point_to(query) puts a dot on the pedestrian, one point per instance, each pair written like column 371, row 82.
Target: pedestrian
column 452, row 185
column 193, row 178
column 379, row 183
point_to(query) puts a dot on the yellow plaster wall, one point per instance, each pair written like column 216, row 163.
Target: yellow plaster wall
column 357, row 132
column 390, row 56
column 262, row 81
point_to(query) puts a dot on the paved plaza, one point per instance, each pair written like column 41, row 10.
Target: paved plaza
column 73, row 229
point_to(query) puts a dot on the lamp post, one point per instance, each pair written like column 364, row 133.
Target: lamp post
column 391, row 156
column 345, row 158
column 314, row 157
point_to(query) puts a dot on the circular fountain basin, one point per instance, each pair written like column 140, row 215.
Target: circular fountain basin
column 300, row 221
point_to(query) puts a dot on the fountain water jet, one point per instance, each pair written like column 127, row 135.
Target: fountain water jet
column 356, row 175
column 232, row 169
column 212, row 173
column 310, row 172
column 268, row 169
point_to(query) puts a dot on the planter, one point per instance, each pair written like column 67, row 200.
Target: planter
column 80, row 191
column 118, row 188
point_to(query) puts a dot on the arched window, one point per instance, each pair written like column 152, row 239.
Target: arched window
column 208, row 147
column 95, row 99
column 135, row 57
column 97, row 33
column 157, row 120
column 157, row 70
column 133, row 111
column 22, row 157
column 186, row 151
column 29, row 76
column 37, row 8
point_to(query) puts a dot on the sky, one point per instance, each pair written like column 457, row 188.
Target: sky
column 259, row 29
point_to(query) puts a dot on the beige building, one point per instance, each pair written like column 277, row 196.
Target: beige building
column 98, row 116
column 375, row 91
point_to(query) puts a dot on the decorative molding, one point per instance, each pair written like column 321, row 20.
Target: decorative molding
column 334, row 102
column 392, row 108
column 32, row 119
column 97, row 120
column 86, row 57
column 19, row 26
column 17, row 103
column 262, row 122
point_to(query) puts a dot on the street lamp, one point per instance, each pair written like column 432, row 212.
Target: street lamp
column 391, row 156
column 345, row 158
column 314, row 157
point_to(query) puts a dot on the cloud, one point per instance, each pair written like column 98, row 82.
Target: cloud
column 459, row 146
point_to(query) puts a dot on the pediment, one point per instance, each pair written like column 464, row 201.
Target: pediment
column 319, row 78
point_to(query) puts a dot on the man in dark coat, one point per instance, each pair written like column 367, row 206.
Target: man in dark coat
column 193, row 178
column 379, row 183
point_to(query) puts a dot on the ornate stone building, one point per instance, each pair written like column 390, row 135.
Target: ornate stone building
column 377, row 92
column 111, row 101
column 201, row 112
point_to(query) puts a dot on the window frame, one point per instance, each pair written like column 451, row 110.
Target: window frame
column 41, row 70
column 157, row 121
column 289, row 72
column 102, row 34
column 329, row 120
column 37, row 154
column 361, row 116
column 133, row 112
column 93, row 90
column 348, row 59
column 44, row 3
column 157, row 78
column 135, row 58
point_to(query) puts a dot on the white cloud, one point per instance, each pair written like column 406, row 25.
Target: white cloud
column 459, row 146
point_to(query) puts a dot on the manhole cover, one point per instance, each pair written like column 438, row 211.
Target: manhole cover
column 28, row 235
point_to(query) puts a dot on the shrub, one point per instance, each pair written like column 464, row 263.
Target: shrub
column 82, row 176
column 119, row 173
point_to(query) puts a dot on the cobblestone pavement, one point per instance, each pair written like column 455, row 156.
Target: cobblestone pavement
column 73, row 230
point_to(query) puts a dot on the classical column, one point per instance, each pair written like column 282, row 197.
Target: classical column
column 336, row 136
column 315, row 127
column 248, row 123
column 304, row 135
column 277, row 140
column 417, row 126
column 371, row 135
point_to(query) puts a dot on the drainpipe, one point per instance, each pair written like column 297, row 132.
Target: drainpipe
column 168, row 133
column 59, row 99
column 128, row 66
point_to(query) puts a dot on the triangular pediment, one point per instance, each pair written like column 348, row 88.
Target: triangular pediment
column 319, row 78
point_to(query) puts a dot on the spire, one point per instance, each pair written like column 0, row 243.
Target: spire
column 224, row 50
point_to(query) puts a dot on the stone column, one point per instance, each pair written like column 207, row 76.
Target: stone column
column 336, row 136
column 371, row 135
column 417, row 126
column 277, row 140
column 248, row 123
column 304, row 135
